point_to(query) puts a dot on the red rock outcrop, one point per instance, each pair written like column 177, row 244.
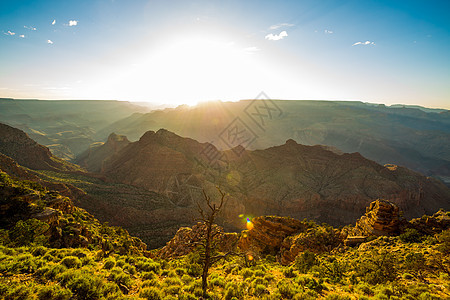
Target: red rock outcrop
column 186, row 239
column 268, row 233
column 19, row 146
column 92, row 159
column 382, row 218
column 288, row 180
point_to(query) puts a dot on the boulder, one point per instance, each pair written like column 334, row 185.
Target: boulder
column 382, row 218
column 267, row 234
column 187, row 239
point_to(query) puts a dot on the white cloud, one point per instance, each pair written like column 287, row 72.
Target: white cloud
column 276, row 26
column 251, row 50
column 364, row 43
column 30, row 27
column 49, row 42
column 276, row 37
column 9, row 33
column 22, row 35
column 54, row 22
column 73, row 23
column 328, row 31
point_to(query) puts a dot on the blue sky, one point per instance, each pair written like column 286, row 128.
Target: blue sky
column 177, row 52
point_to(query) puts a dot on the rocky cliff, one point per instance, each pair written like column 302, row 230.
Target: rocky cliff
column 19, row 146
column 92, row 159
column 287, row 180
column 382, row 218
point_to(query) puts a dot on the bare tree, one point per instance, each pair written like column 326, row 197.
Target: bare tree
column 208, row 242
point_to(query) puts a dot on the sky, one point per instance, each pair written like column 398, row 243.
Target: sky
column 175, row 52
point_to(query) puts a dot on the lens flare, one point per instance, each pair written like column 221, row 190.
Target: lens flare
column 249, row 224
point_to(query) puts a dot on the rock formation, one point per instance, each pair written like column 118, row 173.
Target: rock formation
column 19, row 146
column 288, row 180
column 432, row 224
column 186, row 239
column 267, row 234
column 382, row 218
column 93, row 158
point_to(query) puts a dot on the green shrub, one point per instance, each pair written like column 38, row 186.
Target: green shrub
column 410, row 235
column 246, row 273
column 286, row 289
column 218, row 281
column 365, row 289
column 149, row 267
column 86, row 287
column 151, row 282
column 109, row 264
column 151, row 293
column 333, row 296
column 289, row 273
column 148, row 275
column 194, row 269
column 19, row 292
column 305, row 261
column 54, row 292
column 71, row 262
column 377, row 268
column 259, row 290
column 186, row 279
column 233, row 290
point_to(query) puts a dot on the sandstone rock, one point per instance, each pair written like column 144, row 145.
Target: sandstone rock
column 317, row 239
column 382, row 218
column 19, row 146
column 268, row 233
column 186, row 239
column 431, row 224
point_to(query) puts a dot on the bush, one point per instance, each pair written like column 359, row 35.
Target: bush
column 305, row 261
column 86, row 287
column 410, row 235
column 54, row 292
column 289, row 273
column 71, row 262
column 233, row 290
column 247, row 273
column 377, row 268
column 286, row 289
column 109, row 264
column 151, row 293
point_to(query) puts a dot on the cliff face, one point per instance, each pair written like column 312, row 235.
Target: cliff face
column 382, row 218
column 288, row 180
column 92, row 159
column 19, row 146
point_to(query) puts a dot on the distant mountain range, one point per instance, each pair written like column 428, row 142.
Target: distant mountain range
column 416, row 138
column 411, row 136
column 152, row 186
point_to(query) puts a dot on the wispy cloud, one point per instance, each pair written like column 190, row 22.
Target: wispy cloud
column 276, row 26
column 9, row 33
column 30, row 27
column 54, row 22
column 328, row 31
column 73, row 23
column 363, row 43
column 50, row 42
column 251, row 50
column 276, row 37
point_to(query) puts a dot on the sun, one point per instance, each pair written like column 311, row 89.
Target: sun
column 187, row 70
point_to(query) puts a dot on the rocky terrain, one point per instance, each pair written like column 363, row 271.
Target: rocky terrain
column 287, row 180
column 66, row 127
column 19, row 146
column 412, row 137
column 152, row 186
column 285, row 238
